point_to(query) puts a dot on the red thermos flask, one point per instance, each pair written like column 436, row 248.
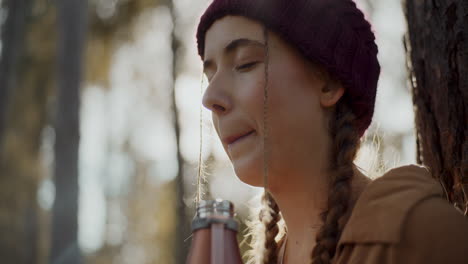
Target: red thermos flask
column 214, row 232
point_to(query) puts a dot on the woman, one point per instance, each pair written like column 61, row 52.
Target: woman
column 292, row 87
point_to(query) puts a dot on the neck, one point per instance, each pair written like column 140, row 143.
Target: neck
column 301, row 204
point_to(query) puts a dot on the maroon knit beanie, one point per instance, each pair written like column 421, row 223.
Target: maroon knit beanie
column 333, row 33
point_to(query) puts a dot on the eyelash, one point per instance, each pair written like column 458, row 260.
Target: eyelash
column 246, row 66
column 243, row 67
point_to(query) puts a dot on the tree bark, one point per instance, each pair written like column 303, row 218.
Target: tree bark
column 437, row 49
column 182, row 231
column 25, row 81
column 72, row 15
column 12, row 37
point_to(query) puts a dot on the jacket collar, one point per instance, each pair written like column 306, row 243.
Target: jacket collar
column 381, row 209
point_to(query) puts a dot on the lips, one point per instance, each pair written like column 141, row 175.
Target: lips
column 231, row 139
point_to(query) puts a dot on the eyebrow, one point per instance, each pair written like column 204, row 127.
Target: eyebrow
column 234, row 45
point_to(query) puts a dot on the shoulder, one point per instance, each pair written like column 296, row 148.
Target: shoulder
column 382, row 208
column 411, row 180
column 434, row 232
column 404, row 215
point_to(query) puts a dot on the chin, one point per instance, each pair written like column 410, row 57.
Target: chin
column 251, row 175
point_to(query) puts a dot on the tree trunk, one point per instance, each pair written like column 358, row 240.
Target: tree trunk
column 437, row 48
column 25, row 73
column 12, row 37
column 71, row 22
column 182, row 231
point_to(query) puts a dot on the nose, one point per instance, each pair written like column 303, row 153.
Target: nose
column 217, row 99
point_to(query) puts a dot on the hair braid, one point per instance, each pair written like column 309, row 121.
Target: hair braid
column 270, row 207
column 345, row 143
column 271, row 210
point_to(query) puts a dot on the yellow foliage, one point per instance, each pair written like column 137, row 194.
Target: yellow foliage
column 106, row 34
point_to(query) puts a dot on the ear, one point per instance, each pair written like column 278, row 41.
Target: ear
column 331, row 93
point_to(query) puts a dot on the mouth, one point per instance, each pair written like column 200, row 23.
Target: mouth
column 234, row 139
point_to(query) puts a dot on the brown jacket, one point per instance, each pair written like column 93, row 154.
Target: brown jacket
column 402, row 217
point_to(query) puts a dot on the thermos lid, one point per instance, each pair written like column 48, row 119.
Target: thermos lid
column 214, row 211
column 218, row 207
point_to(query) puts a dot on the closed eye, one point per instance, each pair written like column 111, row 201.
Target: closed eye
column 246, row 66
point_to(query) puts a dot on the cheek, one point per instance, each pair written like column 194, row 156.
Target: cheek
column 297, row 129
column 293, row 100
column 249, row 90
column 250, row 95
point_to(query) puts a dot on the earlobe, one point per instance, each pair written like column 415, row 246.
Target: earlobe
column 331, row 94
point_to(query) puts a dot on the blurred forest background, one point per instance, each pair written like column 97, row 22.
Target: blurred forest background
column 100, row 131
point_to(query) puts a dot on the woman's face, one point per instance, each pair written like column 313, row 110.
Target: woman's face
column 297, row 137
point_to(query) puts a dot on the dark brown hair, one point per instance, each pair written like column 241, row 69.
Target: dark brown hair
column 344, row 145
column 271, row 227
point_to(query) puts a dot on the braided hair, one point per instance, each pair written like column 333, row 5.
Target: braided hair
column 344, row 146
column 345, row 143
column 270, row 217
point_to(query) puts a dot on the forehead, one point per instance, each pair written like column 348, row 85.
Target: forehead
column 228, row 28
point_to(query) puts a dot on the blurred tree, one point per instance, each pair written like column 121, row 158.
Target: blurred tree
column 152, row 216
column 24, row 106
column 12, row 38
column 71, row 21
column 25, row 80
column 110, row 24
column 181, row 246
column 437, row 47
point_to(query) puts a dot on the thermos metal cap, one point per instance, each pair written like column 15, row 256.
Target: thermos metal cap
column 218, row 207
